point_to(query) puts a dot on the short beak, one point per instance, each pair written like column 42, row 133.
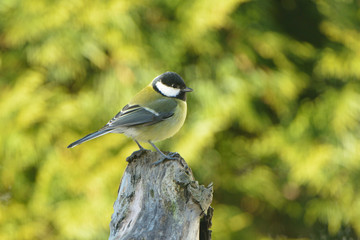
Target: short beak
column 187, row 89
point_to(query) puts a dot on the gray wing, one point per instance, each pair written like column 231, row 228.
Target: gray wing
column 134, row 115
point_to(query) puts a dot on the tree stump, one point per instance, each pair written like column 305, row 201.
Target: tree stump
column 160, row 201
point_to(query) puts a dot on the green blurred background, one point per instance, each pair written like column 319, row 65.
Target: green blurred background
column 273, row 121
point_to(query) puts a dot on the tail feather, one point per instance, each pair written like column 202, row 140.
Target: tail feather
column 89, row 137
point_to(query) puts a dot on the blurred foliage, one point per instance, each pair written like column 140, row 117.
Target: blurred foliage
column 273, row 121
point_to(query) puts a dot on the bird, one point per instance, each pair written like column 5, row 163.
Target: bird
column 154, row 114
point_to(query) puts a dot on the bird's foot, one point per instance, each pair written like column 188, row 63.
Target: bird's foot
column 170, row 156
column 136, row 154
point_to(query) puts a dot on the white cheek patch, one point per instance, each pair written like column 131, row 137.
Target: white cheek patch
column 166, row 90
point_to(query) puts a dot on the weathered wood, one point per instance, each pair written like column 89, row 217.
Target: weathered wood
column 205, row 225
column 159, row 201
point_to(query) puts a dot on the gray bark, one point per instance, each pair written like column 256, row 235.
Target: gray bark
column 159, row 201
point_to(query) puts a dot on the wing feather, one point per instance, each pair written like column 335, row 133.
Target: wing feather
column 134, row 115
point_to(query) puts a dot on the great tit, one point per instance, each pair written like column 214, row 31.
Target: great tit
column 157, row 112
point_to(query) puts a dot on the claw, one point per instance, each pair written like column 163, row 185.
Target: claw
column 136, row 155
column 170, row 156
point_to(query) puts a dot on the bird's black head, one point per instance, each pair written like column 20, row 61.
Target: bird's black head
column 170, row 84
